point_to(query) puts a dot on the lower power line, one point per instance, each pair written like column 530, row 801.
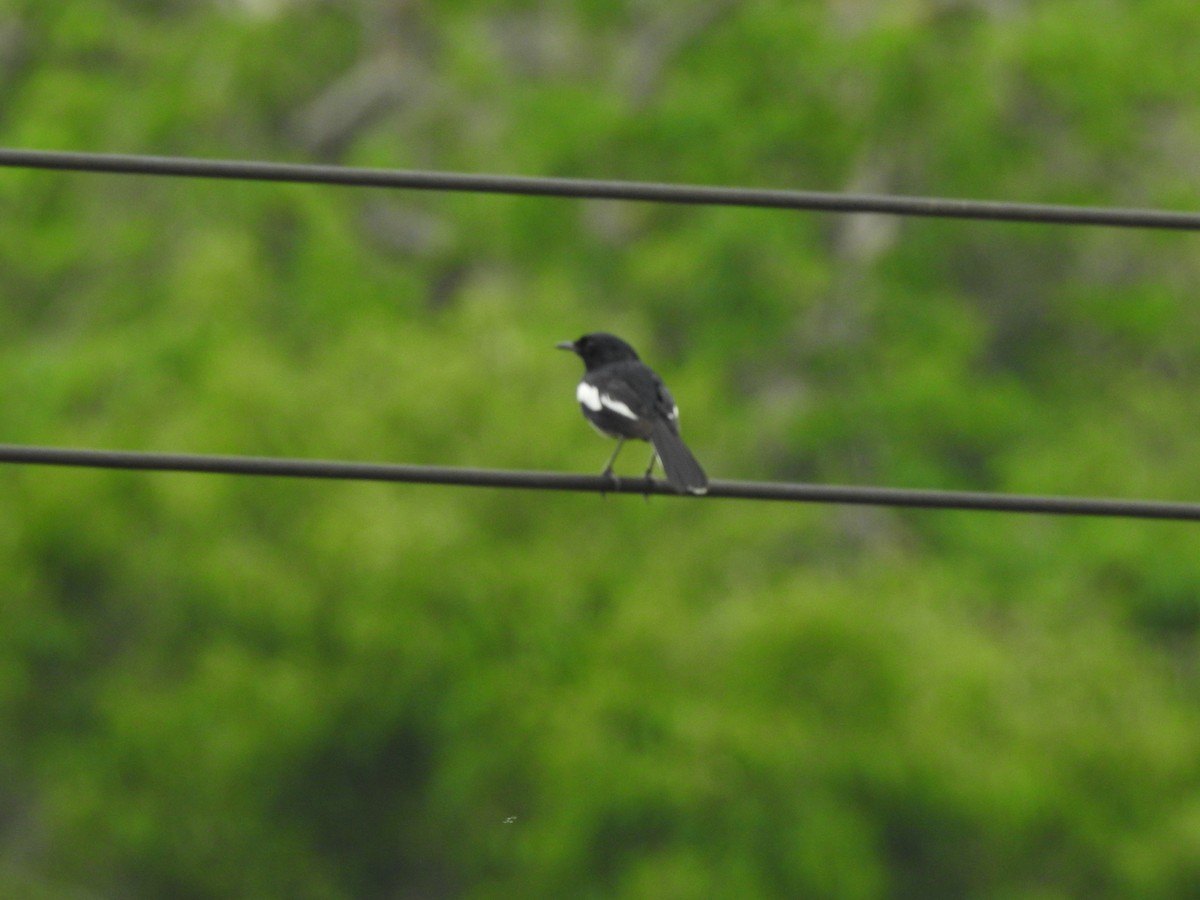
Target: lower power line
column 260, row 466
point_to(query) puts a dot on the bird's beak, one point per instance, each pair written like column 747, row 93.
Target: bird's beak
column 566, row 345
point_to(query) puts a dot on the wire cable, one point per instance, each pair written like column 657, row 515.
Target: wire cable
column 582, row 188
column 557, row 481
column 608, row 190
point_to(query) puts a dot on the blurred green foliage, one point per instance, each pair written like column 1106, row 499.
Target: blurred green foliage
column 223, row 687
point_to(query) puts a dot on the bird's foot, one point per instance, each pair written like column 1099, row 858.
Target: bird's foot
column 611, row 476
column 648, row 485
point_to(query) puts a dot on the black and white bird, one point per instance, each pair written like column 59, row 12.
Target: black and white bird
column 623, row 398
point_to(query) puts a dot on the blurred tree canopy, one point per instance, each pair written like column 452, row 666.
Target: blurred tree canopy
column 223, row 687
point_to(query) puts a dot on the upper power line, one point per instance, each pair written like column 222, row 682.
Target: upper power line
column 584, row 188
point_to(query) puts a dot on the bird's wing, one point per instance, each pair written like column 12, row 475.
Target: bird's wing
column 665, row 404
column 633, row 391
column 656, row 401
column 614, row 394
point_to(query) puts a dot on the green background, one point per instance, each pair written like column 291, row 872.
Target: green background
column 235, row 687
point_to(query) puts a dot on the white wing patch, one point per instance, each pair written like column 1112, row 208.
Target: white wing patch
column 617, row 406
column 588, row 395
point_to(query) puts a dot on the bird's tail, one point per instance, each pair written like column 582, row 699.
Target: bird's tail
column 684, row 473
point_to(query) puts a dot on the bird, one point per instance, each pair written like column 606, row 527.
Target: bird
column 623, row 398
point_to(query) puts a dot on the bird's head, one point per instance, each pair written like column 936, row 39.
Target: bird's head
column 599, row 349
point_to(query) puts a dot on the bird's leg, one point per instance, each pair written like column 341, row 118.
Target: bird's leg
column 608, row 467
column 649, row 476
column 650, row 467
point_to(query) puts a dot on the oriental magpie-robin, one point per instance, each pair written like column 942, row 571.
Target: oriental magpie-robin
column 623, row 398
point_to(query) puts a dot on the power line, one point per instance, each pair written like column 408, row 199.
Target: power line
column 557, row 481
column 583, row 188
column 608, row 190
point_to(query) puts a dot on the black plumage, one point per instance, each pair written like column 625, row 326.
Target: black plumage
column 624, row 398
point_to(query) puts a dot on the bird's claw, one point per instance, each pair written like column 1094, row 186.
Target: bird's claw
column 611, row 476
